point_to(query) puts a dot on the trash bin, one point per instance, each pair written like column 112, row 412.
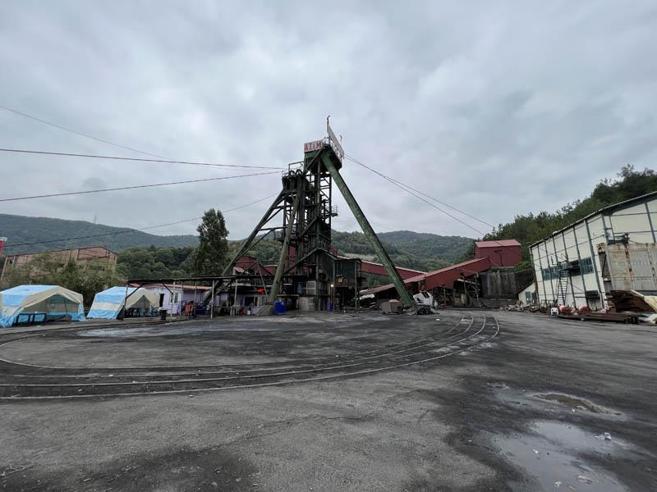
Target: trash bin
column 279, row 307
column 163, row 314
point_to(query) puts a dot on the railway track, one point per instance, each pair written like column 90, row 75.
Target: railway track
column 19, row 381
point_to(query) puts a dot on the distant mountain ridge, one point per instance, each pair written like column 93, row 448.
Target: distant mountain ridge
column 22, row 231
column 418, row 250
column 422, row 251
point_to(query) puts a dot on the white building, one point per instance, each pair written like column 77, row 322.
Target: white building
column 527, row 296
column 612, row 249
column 173, row 297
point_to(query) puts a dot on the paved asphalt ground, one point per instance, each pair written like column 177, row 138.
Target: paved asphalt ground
column 332, row 403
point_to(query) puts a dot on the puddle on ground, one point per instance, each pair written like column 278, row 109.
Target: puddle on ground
column 551, row 455
column 553, row 402
column 575, row 402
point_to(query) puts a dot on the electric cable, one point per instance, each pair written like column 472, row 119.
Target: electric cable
column 356, row 161
column 419, row 196
column 134, row 187
column 407, row 189
column 135, row 159
column 141, row 229
column 81, row 134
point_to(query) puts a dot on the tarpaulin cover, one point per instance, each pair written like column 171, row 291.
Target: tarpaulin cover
column 108, row 303
column 53, row 300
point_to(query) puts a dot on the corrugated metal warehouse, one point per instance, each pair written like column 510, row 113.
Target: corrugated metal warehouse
column 612, row 249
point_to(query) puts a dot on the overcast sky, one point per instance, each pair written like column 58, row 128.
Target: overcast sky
column 497, row 108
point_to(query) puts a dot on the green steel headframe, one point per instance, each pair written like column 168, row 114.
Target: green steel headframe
column 306, row 205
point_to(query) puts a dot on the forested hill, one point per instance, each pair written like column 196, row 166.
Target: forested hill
column 531, row 227
column 421, row 251
column 165, row 255
column 36, row 234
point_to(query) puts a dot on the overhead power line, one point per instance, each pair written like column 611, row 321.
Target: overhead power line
column 356, row 161
column 128, row 231
column 407, row 189
column 135, row 159
column 81, row 134
column 421, row 196
column 135, row 187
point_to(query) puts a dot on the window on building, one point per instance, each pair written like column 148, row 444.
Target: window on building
column 550, row 273
column 586, row 265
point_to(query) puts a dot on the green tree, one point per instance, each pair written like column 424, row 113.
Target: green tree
column 46, row 269
column 211, row 254
column 530, row 228
column 154, row 263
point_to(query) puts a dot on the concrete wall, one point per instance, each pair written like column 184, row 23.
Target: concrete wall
column 499, row 283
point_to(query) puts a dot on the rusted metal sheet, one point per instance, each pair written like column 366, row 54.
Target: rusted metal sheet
column 630, row 266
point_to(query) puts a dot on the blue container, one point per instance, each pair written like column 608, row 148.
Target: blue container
column 279, row 307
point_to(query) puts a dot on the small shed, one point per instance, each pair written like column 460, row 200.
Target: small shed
column 527, row 296
column 28, row 304
column 109, row 303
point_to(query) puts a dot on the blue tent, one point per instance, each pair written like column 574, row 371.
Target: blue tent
column 40, row 303
column 109, row 303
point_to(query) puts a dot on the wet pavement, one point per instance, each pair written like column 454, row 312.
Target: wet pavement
column 554, row 454
column 545, row 405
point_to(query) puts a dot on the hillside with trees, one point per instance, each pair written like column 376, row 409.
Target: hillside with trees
column 532, row 227
column 38, row 234
column 421, row 251
column 144, row 255
column 48, row 269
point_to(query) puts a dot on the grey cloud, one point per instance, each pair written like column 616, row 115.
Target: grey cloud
column 499, row 108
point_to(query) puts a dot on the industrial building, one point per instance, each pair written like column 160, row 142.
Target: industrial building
column 309, row 274
column 613, row 249
column 94, row 257
column 489, row 279
column 173, row 296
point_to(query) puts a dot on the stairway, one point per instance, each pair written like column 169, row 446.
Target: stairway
column 564, row 277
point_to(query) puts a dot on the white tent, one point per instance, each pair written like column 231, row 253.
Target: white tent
column 109, row 303
column 41, row 302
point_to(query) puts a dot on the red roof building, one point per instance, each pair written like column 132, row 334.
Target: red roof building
column 444, row 277
column 372, row 268
column 251, row 264
column 501, row 253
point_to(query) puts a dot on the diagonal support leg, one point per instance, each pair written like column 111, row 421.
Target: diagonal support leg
column 246, row 245
column 278, row 276
column 404, row 296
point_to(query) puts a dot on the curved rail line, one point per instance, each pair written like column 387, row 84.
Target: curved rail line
column 68, row 371
column 143, row 381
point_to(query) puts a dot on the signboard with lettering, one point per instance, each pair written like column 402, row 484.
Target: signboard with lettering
column 334, row 142
column 313, row 146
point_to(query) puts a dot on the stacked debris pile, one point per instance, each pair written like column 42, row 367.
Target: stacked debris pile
column 635, row 302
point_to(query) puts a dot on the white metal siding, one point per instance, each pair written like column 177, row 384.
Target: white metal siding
column 580, row 242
